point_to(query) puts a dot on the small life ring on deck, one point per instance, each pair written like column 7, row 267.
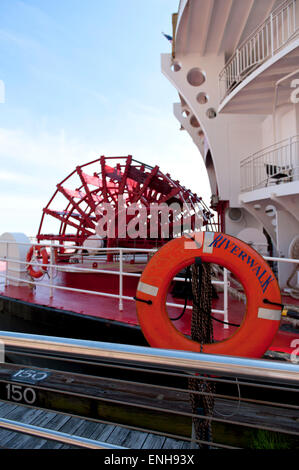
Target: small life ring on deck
column 263, row 311
column 34, row 271
column 94, row 265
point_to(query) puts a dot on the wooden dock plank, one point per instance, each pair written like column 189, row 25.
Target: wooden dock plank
column 71, row 425
column 56, row 423
column 67, row 446
column 48, row 420
column 83, row 428
column 153, row 441
column 112, row 434
column 102, row 432
column 87, row 428
column 127, row 438
column 25, row 441
column 51, row 445
column 35, row 417
column 175, row 444
column 109, row 433
column 5, row 407
column 21, row 414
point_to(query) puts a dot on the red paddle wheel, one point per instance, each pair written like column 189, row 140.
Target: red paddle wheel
column 79, row 202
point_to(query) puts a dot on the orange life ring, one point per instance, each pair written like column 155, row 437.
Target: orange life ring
column 33, row 270
column 261, row 320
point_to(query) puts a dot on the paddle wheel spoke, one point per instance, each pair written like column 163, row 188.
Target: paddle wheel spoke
column 60, row 217
column 88, row 195
column 76, row 206
column 105, row 190
column 123, row 181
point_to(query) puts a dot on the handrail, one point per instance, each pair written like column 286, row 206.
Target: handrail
column 191, row 362
column 258, row 169
column 268, row 38
column 120, row 296
column 57, row 245
column 282, row 143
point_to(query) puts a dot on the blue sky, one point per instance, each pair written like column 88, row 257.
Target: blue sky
column 83, row 79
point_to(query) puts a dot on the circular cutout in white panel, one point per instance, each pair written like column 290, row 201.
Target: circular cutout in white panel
column 194, row 122
column 202, row 98
column 211, row 113
column 196, row 77
column 176, row 67
column 235, row 214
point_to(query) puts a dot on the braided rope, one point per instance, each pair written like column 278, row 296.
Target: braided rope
column 202, row 332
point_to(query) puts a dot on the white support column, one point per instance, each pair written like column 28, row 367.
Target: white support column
column 287, row 229
column 15, row 248
column 121, row 280
column 51, row 269
column 225, row 298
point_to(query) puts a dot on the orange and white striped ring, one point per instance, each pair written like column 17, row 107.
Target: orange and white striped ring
column 33, row 270
column 263, row 311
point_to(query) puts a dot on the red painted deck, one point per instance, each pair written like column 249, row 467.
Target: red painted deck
column 108, row 308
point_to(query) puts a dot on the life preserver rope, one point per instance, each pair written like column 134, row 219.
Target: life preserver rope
column 261, row 320
column 34, row 271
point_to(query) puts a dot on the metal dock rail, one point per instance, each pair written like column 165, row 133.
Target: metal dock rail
column 65, row 393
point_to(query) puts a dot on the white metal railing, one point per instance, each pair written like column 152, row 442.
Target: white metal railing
column 276, row 31
column 278, row 163
column 120, row 253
